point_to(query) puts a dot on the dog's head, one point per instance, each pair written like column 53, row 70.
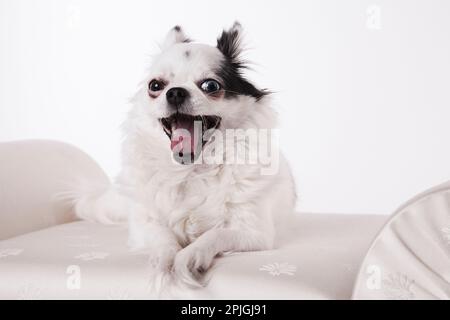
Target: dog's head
column 193, row 89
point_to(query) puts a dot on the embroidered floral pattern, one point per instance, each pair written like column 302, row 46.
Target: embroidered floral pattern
column 88, row 256
column 446, row 234
column 348, row 267
column 397, row 286
column 276, row 269
column 118, row 294
column 249, row 253
column 10, row 252
column 29, row 292
column 82, row 241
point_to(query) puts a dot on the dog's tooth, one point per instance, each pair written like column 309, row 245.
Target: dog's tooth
column 204, row 125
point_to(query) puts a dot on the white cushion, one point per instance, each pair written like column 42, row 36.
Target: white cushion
column 32, row 174
column 317, row 259
column 410, row 257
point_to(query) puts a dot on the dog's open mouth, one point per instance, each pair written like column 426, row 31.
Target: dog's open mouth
column 188, row 134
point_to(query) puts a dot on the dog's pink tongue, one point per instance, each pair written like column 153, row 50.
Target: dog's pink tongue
column 183, row 137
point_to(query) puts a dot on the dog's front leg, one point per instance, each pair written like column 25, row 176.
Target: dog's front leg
column 192, row 261
column 161, row 246
column 157, row 241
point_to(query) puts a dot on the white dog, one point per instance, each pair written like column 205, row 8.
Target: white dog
column 182, row 210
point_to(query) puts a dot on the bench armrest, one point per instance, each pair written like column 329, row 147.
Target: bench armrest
column 32, row 172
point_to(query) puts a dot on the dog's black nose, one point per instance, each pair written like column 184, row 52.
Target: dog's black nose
column 176, row 96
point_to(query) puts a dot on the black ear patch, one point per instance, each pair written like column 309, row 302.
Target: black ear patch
column 229, row 43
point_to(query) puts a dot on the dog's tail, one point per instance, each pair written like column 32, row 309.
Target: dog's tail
column 100, row 202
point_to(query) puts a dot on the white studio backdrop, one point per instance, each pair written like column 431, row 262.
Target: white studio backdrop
column 362, row 87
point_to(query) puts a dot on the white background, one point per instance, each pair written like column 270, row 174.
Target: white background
column 363, row 87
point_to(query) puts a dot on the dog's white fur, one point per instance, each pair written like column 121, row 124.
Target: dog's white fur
column 186, row 215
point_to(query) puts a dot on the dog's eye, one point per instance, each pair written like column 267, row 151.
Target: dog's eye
column 155, row 85
column 210, row 86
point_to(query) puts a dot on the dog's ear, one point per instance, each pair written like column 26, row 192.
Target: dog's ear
column 175, row 35
column 229, row 42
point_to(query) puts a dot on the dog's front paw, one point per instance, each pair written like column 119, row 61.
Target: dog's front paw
column 160, row 265
column 162, row 259
column 190, row 265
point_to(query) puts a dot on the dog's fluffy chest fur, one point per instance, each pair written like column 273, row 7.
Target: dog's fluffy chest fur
column 192, row 200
